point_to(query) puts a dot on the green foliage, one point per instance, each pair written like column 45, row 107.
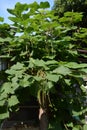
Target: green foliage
column 43, row 61
column 1, row 19
column 71, row 17
column 85, row 127
column 62, row 6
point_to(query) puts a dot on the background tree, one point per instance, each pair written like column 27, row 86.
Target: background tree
column 62, row 6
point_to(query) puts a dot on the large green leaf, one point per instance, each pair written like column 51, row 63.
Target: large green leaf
column 50, row 84
column 4, row 115
column 84, row 70
column 12, row 101
column 75, row 65
column 38, row 78
column 2, row 102
column 17, row 70
column 25, row 82
column 17, row 66
column 6, row 88
column 52, row 77
column 19, row 8
column 85, row 127
column 51, row 62
column 11, row 11
column 5, row 39
column 44, row 5
column 15, row 85
column 37, row 63
column 34, row 5
column 3, row 96
column 14, row 19
column 75, row 128
column 62, row 70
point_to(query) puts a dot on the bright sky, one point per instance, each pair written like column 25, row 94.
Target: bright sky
column 4, row 4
